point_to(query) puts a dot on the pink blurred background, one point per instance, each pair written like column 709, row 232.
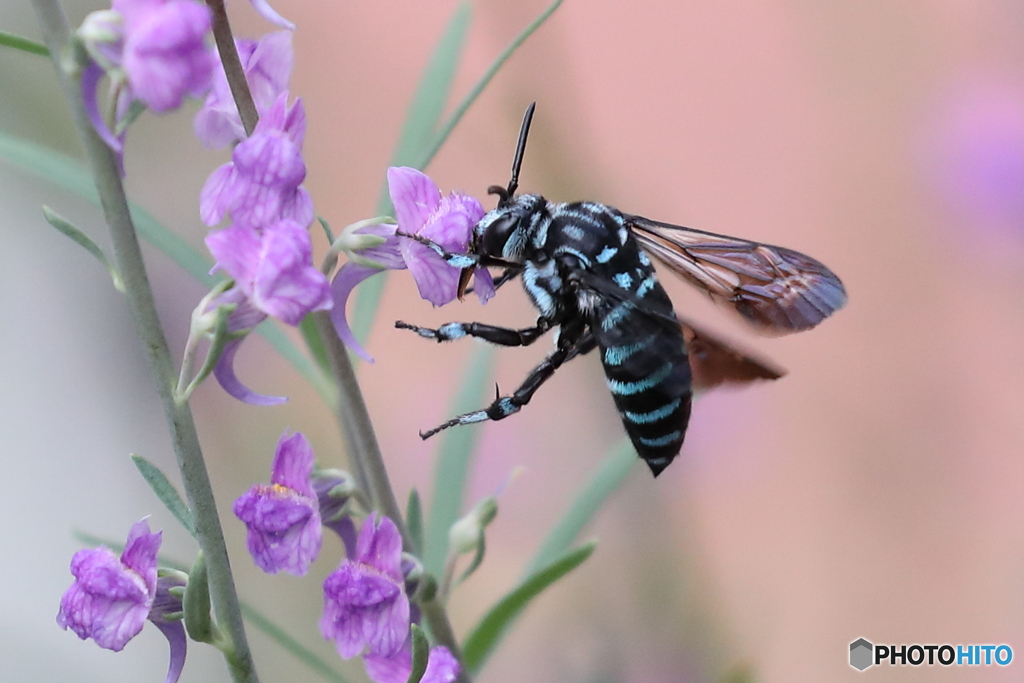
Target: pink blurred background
column 874, row 492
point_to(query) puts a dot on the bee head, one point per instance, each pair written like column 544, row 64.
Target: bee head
column 502, row 233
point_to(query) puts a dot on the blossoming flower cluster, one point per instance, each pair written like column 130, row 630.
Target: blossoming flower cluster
column 366, row 609
column 157, row 53
column 422, row 211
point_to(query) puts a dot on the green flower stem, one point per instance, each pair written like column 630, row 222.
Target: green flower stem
column 357, row 429
column 128, row 258
column 350, row 410
column 436, row 616
column 233, row 66
column 369, row 466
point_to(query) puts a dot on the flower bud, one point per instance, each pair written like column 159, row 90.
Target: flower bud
column 102, row 34
column 466, row 534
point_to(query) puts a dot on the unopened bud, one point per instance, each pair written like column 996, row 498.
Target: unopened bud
column 466, row 534
column 102, row 34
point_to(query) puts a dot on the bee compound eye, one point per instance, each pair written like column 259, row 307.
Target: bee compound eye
column 497, row 234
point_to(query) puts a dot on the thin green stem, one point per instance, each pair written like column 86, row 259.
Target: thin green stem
column 139, row 296
column 357, row 429
column 350, row 410
column 233, row 66
column 467, row 101
column 23, row 44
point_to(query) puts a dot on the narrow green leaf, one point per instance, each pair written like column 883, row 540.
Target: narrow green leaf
column 370, row 292
column 613, row 471
column 478, row 558
column 417, row 134
column 198, row 621
column 23, row 44
column 481, row 641
column 165, row 491
column 453, row 455
column 213, row 353
column 414, row 521
column 477, row 89
column 70, row 230
column 327, row 229
column 69, row 174
column 420, row 654
column 307, row 328
column 291, row 645
column 427, row 104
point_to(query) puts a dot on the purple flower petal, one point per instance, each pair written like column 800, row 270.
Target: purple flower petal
column 174, row 631
column 225, row 374
column 293, row 463
column 283, row 519
column 164, row 604
column 217, row 194
column 262, row 182
column 347, row 277
column 267, row 12
column 380, row 546
column 414, row 196
column 284, row 283
column 437, row 281
column 273, row 268
column 165, row 53
column 267, row 64
column 90, row 83
column 365, row 605
column 442, row 667
column 237, row 250
column 110, row 598
column 483, row 284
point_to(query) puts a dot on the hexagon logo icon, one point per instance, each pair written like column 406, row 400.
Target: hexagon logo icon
column 861, row 652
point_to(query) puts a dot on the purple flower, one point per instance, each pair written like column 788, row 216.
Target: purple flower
column 442, row 667
column 165, row 52
column 154, row 51
column 365, row 606
column 420, row 210
column 267, row 64
column 111, row 597
column 283, row 518
column 273, row 267
column 274, row 276
column 262, row 182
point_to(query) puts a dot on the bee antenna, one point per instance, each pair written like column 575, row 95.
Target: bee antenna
column 517, row 162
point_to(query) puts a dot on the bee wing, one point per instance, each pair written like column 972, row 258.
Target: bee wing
column 776, row 289
column 713, row 361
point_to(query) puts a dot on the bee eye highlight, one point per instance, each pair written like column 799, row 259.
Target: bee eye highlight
column 497, row 234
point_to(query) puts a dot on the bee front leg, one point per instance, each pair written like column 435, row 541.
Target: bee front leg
column 502, row 336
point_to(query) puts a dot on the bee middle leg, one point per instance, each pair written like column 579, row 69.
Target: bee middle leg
column 502, row 336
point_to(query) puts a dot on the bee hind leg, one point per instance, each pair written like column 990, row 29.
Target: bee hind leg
column 504, row 406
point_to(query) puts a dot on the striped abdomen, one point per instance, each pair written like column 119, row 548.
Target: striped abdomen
column 647, row 372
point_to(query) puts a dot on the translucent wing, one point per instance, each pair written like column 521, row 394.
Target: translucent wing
column 713, row 361
column 774, row 288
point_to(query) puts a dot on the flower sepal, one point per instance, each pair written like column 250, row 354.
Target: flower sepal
column 102, row 36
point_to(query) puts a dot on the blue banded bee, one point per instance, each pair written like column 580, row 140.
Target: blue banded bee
column 586, row 268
